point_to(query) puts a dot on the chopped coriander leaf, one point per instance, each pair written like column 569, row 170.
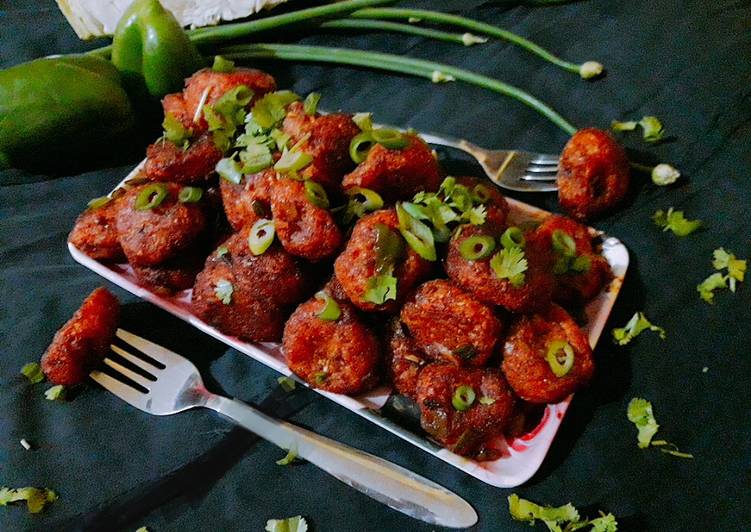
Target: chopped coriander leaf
column 223, row 290
column 640, row 413
column 310, row 105
column 510, row 264
column 290, row 524
column 674, row 221
column 707, row 287
column 635, row 326
column 56, row 393
column 36, row 498
column 527, row 511
column 288, row 384
column 33, row 372
column 175, row 132
column 615, row 125
column 287, row 460
column 222, row 65
column 652, row 128
column 664, row 174
column 269, row 110
column 380, row 288
column 736, row 267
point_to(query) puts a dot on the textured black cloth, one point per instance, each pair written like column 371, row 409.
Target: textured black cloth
column 686, row 62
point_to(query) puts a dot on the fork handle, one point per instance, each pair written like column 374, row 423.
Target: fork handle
column 384, row 481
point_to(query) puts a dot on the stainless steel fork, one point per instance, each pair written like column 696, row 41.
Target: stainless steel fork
column 174, row 384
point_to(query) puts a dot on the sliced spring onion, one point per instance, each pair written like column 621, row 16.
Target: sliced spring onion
column 463, row 398
column 230, row 169
column 371, row 200
column 360, row 146
column 330, row 310
column 390, row 138
column 292, row 161
column 33, row 372
column 151, row 196
column 310, row 105
column 261, row 236
column 98, row 203
column 560, row 357
column 513, row 237
column 417, row 234
column 477, row 247
column 481, row 194
column 363, row 120
column 316, row 195
column 223, row 290
column 563, row 243
column 222, row 65
column 190, row 195
column 255, row 158
column 281, row 139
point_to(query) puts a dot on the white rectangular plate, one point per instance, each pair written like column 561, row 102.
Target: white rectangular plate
column 521, row 456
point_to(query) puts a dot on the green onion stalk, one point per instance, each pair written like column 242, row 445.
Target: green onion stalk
column 391, row 63
column 466, row 39
column 587, row 70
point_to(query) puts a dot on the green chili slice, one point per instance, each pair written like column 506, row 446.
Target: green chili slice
column 390, row 138
column 310, row 105
column 190, row 195
column 316, row 194
column 330, row 310
column 98, row 203
column 477, row 247
column 463, row 398
column 372, row 201
column 360, row 146
column 563, row 243
column 417, row 234
column 513, row 237
column 261, row 236
column 560, row 357
column 150, row 196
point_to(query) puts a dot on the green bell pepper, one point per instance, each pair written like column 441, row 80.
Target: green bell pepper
column 152, row 51
column 56, row 108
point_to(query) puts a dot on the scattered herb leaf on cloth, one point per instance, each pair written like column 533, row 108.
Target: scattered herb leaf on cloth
column 635, row 326
column 290, row 524
column 676, row 222
column 36, row 498
column 639, row 412
column 564, row 518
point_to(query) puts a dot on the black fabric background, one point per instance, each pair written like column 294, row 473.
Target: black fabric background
column 686, row 62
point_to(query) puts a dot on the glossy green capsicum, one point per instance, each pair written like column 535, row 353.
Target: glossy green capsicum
column 59, row 107
column 152, row 51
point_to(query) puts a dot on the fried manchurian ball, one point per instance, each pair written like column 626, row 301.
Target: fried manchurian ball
column 206, row 86
column 248, row 201
column 83, row 341
column 248, row 295
column 152, row 236
column 450, row 324
column 397, row 173
column 580, row 275
column 495, row 203
column 194, row 164
column 340, row 355
column 173, row 275
column 594, row 174
column 95, row 233
column 478, row 277
column 328, row 143
column 463, row 407
column 360, row 262
column 404, row 359
column 538, row 344
column 305, row 230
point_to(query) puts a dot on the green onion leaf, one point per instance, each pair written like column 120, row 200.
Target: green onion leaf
column 310, row 105
column 316, row 195
column 190, row 195
column 290, row 524
column 56, row 393
column 390, row 138
column 230, row 169
column 664, row 174
column 513, row 237
column 563, row 243
column 150, row 196
column 510, row 264
column 463, row 398
column 292, row 161
column 330, row 310
column 477, row 247
column 222, row 65
column 417, row 234
column 33, row 372
column 288, row 459
column 360, row 145
column 98, row 203
column 652, row 128
column 675, row 221
column 439, row 77
column 635, row 326
column 223, row 290
column 363, row 120
column 261, row 236
column 288, row 384
column 36, row 498
column 560, row 357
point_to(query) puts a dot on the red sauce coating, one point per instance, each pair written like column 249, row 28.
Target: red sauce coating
column 524, row 356
column 404, row 359
column 496, row 206
column 83, row 341
column 195, row 164
column 250, row 200
column 95, row 233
